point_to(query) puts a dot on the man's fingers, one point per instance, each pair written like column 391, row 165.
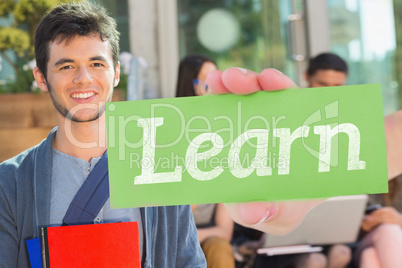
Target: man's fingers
column 249, row 214
column 214, row 82
column 271, row 80
column 276, row 218
column 240, row 81
column 254, row 213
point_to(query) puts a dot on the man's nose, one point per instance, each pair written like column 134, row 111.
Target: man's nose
column 82, row 76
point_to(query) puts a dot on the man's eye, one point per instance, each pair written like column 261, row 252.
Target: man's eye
column 97, row 64
column 65, row 67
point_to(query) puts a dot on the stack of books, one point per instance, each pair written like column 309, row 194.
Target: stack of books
column 94, row 245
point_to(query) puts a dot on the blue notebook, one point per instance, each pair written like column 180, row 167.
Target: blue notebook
column 35, row 253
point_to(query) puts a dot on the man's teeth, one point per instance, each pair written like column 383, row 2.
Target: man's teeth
column 82, row 95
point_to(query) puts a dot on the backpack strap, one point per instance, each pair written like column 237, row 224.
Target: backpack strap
column 91, row 197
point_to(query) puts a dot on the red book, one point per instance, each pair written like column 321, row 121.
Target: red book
column 94, row 245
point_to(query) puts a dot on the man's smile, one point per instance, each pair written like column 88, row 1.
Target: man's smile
column 83, row 95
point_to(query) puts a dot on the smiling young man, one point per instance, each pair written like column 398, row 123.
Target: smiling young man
column 76, row 48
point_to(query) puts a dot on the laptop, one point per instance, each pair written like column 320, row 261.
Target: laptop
column 336, row 220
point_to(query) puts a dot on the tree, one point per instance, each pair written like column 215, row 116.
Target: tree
column 19, row 37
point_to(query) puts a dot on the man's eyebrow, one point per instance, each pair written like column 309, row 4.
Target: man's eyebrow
column 63, row 61
column 98, row 58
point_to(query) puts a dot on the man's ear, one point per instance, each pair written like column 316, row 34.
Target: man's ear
column 117, row 75
column 40, row 79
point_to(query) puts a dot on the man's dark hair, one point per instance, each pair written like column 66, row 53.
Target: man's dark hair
column 327, row 61
column 189, row 69
column 67, row 21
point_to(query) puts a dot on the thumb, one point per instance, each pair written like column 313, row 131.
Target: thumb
column 249, row 214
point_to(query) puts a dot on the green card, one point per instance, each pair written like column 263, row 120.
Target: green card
column 267, row 146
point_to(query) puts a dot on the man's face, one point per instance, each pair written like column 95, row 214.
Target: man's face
column 327, row 78
column 80, row 77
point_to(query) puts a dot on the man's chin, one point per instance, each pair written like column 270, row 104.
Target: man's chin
column 83, row 118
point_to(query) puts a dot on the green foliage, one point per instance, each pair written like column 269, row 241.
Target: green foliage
column 19, row 37
column 31, row 11
column 28, row 14
column 6, row 7
column 22, row 83
column 14, row 39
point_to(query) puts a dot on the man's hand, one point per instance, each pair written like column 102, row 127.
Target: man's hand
column 275, row 218
column 380, row 216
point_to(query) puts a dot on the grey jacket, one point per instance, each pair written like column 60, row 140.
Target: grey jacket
column 25, row 182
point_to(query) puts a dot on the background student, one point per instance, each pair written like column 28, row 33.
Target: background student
column 382, row 242
column 193, row 71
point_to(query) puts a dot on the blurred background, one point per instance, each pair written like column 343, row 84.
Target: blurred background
column 156, row 34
